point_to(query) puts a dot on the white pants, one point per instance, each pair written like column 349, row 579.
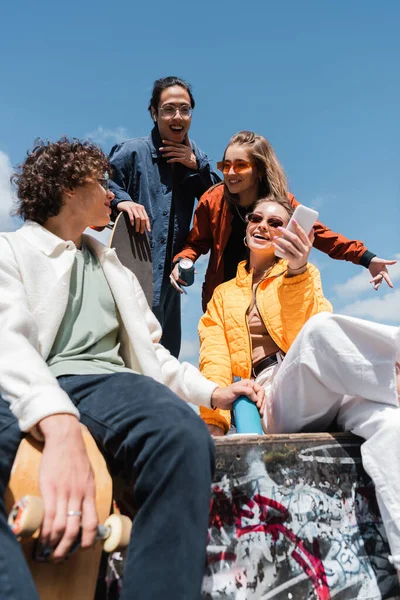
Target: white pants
column 344, row 367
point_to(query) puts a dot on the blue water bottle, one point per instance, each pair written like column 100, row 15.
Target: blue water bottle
column 247, row 416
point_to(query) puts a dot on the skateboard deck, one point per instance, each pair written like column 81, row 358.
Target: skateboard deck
column 75, row 578
column 133, row 250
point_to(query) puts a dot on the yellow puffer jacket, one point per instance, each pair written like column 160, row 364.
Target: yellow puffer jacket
column 284, row 303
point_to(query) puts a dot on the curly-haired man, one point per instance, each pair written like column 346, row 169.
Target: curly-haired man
column 79, row 342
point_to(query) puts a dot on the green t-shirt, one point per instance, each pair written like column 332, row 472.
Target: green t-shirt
column 87, row 340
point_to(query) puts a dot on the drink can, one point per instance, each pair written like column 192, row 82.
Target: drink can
column 186, row 271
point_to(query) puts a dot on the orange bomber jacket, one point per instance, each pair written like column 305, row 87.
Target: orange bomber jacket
column 212, row 228
column 284, row 303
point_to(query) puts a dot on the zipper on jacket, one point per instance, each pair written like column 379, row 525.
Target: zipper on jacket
column 261, row 317
column 248, row 330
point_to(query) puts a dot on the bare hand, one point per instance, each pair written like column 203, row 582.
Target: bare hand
column 176, row 281
column 225, row 397
column 137, row 215
column 215, row 431
column 180, row 153
column 66, row 483
column 295, row 246
column 377, row 268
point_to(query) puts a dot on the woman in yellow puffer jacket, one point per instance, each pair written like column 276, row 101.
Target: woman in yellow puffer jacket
column 336, row 367
column 252, row 320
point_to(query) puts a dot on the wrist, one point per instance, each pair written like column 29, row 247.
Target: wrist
column 365, row 259
column 214, row 399
column 292, row 272
column 58, row 426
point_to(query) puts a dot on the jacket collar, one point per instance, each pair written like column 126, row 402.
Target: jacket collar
column 155, row 142
column 245, row 278
column 50, row 244
column 43, row 239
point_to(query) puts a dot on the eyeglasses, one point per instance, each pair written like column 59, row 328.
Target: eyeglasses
column 239, row 166
column 170, row 110
column 105, row 181
column 256, row 218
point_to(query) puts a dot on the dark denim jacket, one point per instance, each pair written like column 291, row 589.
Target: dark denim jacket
column 141, row 174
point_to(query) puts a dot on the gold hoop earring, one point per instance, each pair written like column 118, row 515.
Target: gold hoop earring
column 245, row 242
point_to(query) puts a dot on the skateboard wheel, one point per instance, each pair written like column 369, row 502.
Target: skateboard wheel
column 26, row 516
column 119, row 535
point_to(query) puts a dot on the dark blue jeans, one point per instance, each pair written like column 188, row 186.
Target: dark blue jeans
column 148, row 434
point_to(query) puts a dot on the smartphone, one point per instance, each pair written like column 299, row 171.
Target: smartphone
column 305, row 217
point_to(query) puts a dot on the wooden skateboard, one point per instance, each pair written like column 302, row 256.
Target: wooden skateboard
column 26, row 518
column 76, row 578
column 133, row 250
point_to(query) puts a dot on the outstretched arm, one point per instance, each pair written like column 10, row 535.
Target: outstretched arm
column 338, row 247
column 187, row 381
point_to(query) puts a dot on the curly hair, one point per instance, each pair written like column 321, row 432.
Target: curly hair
column 272, row 176
column 49, row 169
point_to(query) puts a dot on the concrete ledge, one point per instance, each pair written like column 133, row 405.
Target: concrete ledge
column 295, row 517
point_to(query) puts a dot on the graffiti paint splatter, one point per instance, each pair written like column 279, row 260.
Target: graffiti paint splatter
column 297, row 522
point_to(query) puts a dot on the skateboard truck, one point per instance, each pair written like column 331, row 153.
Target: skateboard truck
column 26, row 517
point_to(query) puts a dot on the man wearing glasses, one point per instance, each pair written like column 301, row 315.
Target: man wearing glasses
column 155, row 180
column 79, row 343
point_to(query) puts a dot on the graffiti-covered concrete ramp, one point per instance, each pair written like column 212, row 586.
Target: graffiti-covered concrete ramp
column 295, row 517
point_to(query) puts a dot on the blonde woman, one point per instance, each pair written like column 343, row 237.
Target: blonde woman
column 252, row 171
column 273, row 324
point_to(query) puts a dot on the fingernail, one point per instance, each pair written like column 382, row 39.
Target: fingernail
column 294, row 221
column 281, row 228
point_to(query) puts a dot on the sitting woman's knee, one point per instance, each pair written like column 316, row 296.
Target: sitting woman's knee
column 318, row 327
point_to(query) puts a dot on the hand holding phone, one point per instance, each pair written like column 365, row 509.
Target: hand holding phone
column 305, row 217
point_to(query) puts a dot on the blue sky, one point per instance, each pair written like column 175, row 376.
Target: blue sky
column 320, row 79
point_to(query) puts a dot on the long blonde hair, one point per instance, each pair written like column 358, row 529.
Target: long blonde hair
column 282, row 200
column 272, row 177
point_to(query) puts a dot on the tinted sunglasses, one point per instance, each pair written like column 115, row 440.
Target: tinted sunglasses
column 256, row 218
column 239, row 166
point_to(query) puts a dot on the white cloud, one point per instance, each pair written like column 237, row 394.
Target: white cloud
column 317, row 202
column 189, row 351
column 102, row 135
column 381, row 308
column 7, row 223
column 360, row 283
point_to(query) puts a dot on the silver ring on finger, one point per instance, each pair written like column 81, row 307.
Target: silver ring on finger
column 74, row 513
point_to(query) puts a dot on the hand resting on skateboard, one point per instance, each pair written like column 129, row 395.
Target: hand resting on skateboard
column 66, row 484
